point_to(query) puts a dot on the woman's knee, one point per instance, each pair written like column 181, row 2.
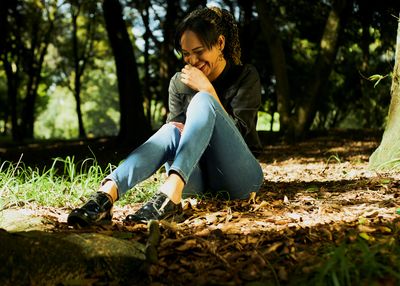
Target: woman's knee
column 202, row 101
column 167, row 135
column 168, row 130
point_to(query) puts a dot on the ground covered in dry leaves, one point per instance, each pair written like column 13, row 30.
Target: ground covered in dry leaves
column 318, row 199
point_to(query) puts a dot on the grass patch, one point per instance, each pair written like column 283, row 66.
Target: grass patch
column 359, row 262
column 65, row 183
column 143, row 191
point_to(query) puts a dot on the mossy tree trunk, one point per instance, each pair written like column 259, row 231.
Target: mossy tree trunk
column 387, row 155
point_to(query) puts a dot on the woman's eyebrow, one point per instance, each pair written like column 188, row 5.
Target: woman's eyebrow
column 195, row 49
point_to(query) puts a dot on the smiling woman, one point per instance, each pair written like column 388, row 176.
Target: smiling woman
column 209, row 61
column 207, row 142
column 209, row 25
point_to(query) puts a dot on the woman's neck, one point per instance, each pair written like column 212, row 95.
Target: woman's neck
column 218, row 71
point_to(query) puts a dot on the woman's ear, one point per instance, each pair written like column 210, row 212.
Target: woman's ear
column 221, row 42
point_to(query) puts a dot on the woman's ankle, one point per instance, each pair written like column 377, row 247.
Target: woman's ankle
column 111, row 189
column 173, row 187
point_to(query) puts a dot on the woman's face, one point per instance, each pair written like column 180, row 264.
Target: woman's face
column 197, row 55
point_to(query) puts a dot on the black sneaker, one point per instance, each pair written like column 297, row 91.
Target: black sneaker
column 159, row 207
column 96, row 211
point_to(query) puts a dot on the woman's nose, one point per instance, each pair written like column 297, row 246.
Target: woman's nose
column 193, row 60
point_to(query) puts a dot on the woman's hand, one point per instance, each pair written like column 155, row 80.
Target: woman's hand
column 178, row 125
column 196, row 79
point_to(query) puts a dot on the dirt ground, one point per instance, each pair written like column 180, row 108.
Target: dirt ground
column 316, row 194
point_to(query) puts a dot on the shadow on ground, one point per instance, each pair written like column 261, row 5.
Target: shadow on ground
column 318, row 198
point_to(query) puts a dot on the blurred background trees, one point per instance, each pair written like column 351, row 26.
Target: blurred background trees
column 81, row 69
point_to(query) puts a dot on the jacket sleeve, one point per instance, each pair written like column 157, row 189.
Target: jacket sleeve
column 245, row 105
column 176, row 104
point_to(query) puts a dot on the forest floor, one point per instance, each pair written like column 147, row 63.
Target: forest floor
column 317, row 195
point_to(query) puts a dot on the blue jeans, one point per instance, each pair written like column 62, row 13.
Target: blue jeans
column 210, row 155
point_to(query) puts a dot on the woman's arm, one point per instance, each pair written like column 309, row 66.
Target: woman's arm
column 245, row 104
column 196, row 80
column 176, row 100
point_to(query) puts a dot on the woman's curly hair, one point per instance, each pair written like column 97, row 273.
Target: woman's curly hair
column 208, row 24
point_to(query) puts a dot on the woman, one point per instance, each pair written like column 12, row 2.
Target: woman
column 205, row 144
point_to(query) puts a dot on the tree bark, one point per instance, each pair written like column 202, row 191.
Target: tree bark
column 134, row 127
column 387, row 155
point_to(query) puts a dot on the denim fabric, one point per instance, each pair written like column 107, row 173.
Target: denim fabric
column 210, row 155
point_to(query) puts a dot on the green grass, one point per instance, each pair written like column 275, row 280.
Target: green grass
column 143, row 191
column 65, row 183
column 359, row 262
column 335, row 158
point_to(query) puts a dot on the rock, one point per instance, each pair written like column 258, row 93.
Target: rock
column 14, row 220
column 43, row 258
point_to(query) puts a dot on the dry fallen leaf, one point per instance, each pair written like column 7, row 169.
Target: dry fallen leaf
column 365, row 228
column 285, row 200
column 252, row 198
column 188, row 244
column 274, row 247
column 282, row 273
column 259, row 206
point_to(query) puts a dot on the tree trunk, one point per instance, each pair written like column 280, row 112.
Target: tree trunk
column 194, row 4
column 168, row 62
column 134, row 127
column 38, row 51
column 82, row 51
column 13, row 82
column 306, row 109
column 35, row 78
column 77, row 66
column 77, row 95
column 146, row 37
column 387, row 155
column 278, row 61
column 246, row 33
column 11, row 60
column 295, row 126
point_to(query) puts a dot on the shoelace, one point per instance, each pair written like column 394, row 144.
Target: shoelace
column 156, row 201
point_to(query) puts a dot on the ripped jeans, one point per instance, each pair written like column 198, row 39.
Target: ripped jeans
column 210, row 155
